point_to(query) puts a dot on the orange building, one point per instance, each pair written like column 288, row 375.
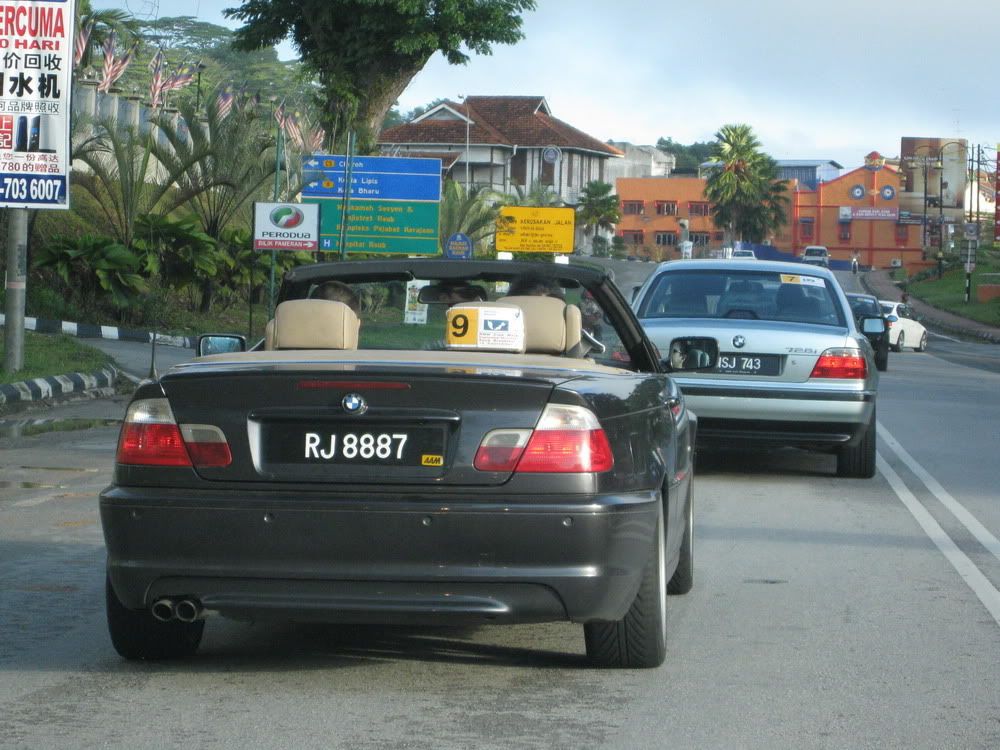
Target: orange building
column 652, row 210
column 856, row 212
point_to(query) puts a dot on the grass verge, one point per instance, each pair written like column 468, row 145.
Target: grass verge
column 948, row 293
column 53, row 355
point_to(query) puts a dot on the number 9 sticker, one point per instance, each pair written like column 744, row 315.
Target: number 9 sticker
column 463, row 327
column 492, row 329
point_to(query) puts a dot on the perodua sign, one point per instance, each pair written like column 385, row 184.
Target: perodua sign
column 285, row 226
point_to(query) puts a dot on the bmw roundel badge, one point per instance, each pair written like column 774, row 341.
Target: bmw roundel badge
column 738, row 341
column 354, row 403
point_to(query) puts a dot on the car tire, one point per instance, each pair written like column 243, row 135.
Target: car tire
column 858, row 461
column 137, row 635
column 683, row 579
column 900, row 342
column 922, row 346
column 882, row 360
column 638, row 640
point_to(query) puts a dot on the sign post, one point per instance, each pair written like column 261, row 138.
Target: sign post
column 37, row 36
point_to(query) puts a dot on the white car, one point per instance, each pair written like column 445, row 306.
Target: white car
column 743, row 252
column 904, row 328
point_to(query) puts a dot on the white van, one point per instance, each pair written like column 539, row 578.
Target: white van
column 816, row 255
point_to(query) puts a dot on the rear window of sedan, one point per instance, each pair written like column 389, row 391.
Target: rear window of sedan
column 750, row 295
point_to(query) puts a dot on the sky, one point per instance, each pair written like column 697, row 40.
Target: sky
column 818, row 80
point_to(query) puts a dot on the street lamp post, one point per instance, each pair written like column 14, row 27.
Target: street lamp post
column 925, row 162
column 941, row 183
column 468, row 123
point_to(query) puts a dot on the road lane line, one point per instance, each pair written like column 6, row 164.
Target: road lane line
column 972, row 576
column 942, row 336
column 958, row 510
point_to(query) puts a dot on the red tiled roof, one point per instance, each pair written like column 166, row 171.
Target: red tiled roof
column 523, row 121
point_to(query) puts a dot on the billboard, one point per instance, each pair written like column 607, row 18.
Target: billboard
column 527, row 229
column 285, row 226
column 945, row 187
column 36, row 71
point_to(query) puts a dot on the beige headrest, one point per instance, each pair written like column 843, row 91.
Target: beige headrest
column 550, row 325
column 315, row 324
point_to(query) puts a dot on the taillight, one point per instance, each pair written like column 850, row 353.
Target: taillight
column 567, row 439
column 840, row 363
column 151, row 436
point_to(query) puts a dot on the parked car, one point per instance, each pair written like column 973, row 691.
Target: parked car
column 816, row 255
column 866, row 305
column 793, row 367
column 743, row 252
column 505, row 460
column 904, row 328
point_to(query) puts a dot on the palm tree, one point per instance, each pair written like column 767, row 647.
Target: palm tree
column 537, row 195
column 597, row 209
column 222, row 161
column 739, row 185
column 473, row 213
column 104, row 22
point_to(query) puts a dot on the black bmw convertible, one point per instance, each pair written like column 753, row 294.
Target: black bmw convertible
column 415, row 441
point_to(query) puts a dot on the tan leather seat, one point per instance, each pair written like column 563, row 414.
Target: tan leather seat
column 315, row 324
column 269, row 335
column 550, row 325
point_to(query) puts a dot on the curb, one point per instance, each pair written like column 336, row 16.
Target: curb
column 94, row 331
column 38, row 389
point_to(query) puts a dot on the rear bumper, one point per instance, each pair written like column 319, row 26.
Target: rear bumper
column 778, row 417
column 283, row 555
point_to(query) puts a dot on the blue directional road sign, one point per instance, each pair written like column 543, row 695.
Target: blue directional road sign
column 458, row 246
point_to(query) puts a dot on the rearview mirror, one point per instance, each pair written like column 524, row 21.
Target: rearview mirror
column 872, row 325
column 221, row 343
column 692, row 353
column 451, row 294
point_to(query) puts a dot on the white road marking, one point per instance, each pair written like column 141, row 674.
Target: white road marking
column 958, row 510
column 942, row 336
column 32, row 502
column 972, row 576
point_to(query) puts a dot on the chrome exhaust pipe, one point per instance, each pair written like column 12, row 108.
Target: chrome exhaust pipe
column 164, row 610
column 188, row 610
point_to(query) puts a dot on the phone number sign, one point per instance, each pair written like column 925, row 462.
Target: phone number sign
column 36, row 69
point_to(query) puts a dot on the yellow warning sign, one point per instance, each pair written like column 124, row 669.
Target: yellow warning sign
column 529, row 229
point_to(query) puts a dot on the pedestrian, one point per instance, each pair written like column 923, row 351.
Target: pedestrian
column 905, row 297
column 854, row 263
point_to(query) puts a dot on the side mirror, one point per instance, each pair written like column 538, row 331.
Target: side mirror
column 221, row 343
column 872, row 325
column 690, row 354
column 892, row 318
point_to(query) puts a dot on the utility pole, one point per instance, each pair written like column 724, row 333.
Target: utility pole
column 16, row 285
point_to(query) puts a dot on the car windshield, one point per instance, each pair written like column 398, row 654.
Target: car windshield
column 815, row 251
column 864, row 306
column 396, row 314
column 754, row 295
column 888, row 309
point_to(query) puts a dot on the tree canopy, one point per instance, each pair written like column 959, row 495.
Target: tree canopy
column 363, row 53
column 688, row 157
column 748, row 199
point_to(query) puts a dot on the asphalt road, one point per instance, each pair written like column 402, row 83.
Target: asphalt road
column 827, row 613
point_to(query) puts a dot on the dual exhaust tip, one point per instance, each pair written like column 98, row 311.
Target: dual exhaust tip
column 184, row 610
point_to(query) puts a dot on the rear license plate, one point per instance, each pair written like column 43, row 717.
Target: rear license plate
column 731, row 363
column 377, row 444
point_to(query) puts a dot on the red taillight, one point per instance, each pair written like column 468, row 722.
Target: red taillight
column 840, row 363
column 151, row 437
column 152, row 445
column 567, row 439
column 567, row 451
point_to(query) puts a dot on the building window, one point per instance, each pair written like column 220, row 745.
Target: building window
column 845, row 232
column 666, row 208
column 806, row 230
column 717, row 236
column 902, row 234
column 698, row 209
column 669, row 239
column 632, row 237
column 632, row 207
column 700, row 239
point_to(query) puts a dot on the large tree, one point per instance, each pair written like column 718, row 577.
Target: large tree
column 363, row 53
column 597, row 209
column 742, row 185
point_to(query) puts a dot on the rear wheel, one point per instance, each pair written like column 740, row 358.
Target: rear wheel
column 136, row 634
column 640, row 638
column 858, row 461
column 922, row 346
column 683, row 579
column 882, row 360
column 900, row 342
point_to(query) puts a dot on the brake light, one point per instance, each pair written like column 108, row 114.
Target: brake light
column 567, row 439
column 840, row 363
column 151, row 436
